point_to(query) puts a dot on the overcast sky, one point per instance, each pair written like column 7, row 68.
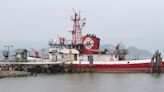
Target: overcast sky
column 32, row 23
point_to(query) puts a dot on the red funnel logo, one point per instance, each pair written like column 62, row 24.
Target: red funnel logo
column 88, row 43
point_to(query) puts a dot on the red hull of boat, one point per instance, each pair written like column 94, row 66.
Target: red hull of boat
column 116, row 67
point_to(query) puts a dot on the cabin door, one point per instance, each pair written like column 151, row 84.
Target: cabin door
column 75, row 57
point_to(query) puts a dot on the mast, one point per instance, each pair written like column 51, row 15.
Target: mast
column 78, row 24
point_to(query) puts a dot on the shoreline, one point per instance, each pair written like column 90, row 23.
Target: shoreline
column 13, row 74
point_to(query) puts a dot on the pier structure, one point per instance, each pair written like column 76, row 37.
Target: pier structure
column 33, row 67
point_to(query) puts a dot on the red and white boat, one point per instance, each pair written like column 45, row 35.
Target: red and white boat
column 83, row 53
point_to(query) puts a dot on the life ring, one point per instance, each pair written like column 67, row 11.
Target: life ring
column 88, row 43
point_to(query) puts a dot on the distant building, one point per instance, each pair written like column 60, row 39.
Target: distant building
column 21, row 55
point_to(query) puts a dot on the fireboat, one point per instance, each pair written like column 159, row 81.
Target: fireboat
column 83, row 52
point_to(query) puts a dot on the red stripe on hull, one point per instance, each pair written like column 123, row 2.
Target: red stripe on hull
column 117, row 67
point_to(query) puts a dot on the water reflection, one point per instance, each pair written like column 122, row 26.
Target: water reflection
column 85, row 82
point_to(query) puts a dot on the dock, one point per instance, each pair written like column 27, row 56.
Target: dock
column 33, row 68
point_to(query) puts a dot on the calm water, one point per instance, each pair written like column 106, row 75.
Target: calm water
column 97, row 82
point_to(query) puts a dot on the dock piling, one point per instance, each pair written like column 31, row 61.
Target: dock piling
column 156, row 63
